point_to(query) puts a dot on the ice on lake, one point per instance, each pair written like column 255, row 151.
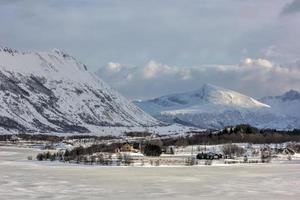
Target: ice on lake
column 22, row 179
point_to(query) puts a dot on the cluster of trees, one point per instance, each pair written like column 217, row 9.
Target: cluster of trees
column 294, row 146
column 5, row 137
column 231, row 150
column 34, row 137
column 79, row 137
column 152, row 150
column 242, row 128
column 40, row 137
column 108, row 148
column 85, row 154
column 67, row 156
column 137, row 134
column 236, row 134
column 50, row 156
column 148, row 149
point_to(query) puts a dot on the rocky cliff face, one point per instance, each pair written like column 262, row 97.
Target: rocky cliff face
column 53, row 92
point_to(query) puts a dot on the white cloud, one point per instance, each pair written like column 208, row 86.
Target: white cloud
column 257, row 63
column 255, row 77
column 99, row 31
column 185, row 74
column 113, row 67
column 152, row 69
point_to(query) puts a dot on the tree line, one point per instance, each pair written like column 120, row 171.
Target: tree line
column 233, row 134
column 54, row 138
column 236, row 134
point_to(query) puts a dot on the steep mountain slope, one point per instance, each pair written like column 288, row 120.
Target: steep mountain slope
column 215, row 107
column 53, row 92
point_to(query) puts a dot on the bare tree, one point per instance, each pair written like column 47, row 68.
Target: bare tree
column 231, row 150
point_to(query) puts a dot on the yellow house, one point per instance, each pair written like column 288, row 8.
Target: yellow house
column 127, row 148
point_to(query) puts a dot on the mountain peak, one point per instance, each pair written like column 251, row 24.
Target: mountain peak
column 221, row 96
column 8, row 50
column 206, row 87
column 58, row 51
column 61, row 53
column 215, row 107
column 290, row 95
column 209, row 86
column 52, row 92
column 43, row 63
column 208, row 97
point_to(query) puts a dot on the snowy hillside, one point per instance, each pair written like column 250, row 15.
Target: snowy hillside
column 53, row 92
column 287, row 103
column 207, row 98
column 215, row 107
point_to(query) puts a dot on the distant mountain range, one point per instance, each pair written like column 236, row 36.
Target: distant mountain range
column 214, row 107
column 53, row 92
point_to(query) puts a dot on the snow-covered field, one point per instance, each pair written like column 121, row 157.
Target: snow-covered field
column 22, row 179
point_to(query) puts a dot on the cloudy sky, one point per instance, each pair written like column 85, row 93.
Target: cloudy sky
column 147, row 48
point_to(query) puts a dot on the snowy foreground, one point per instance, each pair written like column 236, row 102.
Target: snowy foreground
column 22, row 179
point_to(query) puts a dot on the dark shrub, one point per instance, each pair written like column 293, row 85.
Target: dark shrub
column 40, row 157
column 152, row 150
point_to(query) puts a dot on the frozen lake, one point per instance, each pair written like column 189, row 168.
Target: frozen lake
column 22, row 179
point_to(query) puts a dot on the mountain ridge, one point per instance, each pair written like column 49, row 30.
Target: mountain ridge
column 207, row 94
column 216, row 107
column 290, row 95
column 54, row 92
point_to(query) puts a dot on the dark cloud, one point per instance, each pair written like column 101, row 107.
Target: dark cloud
column 291, row 8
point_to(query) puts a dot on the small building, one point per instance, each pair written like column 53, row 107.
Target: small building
column 14, row 139
column 168, row 150
column 127, row 148
column 288, row 151
column 208, row 156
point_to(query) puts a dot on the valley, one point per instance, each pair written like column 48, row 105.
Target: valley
column 167, row 100
column 23, row 179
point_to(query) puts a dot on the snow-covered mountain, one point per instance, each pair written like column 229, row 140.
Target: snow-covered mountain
column 53, row 92
column 287, row 103
column 215, row 107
